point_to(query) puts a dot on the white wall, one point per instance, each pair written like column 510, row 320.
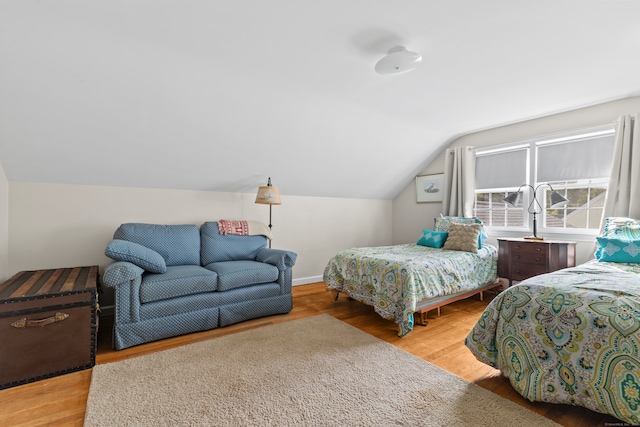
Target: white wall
column 4, row 226
column 59, row 225
column 409, row 217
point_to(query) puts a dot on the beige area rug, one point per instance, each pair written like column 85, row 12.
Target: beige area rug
column 316, row 371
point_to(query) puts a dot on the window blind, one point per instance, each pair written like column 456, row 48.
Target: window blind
column 502, row 169
column 584, row 158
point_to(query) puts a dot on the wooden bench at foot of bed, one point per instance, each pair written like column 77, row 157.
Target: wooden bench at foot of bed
column 420, row 315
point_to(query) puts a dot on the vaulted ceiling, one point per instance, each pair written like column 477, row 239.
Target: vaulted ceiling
column 220, row 95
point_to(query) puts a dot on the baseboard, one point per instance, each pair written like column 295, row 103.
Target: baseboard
column 306, row 280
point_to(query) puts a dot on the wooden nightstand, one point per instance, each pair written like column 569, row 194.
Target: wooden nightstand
column 519, row 259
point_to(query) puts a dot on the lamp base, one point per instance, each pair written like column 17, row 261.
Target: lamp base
column 538, row 238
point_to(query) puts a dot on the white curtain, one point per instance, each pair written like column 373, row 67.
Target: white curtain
column 623, row 194
column 459, row 181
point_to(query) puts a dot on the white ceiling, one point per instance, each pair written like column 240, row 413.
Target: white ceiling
column 219, row 95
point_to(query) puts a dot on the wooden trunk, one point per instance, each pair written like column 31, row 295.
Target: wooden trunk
column 47, row 324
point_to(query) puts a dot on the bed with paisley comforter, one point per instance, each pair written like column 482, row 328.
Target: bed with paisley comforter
column 401, row 280
column 570, row 337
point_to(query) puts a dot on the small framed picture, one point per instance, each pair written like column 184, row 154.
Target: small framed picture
column 429, row 188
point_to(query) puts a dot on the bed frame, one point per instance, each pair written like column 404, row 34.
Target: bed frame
column 420, row 315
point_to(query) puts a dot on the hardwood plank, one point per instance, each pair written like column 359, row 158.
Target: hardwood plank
column 61, row 401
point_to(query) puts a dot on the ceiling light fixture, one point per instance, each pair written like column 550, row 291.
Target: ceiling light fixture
column 398, row 60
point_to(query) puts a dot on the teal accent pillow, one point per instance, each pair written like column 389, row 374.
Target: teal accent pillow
column 482, row 239
column 618, row 250
column 432, row 238
column 143, row 257
column 442, row 223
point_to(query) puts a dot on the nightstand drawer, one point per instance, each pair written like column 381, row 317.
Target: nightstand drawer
column 520, row 271
column 527, row 248
column 524, row 257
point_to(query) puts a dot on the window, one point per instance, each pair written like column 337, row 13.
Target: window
column 500, row 172
column 584, row 209
column 575, row 164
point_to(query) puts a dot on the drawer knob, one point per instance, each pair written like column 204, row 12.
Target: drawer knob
column 538, row 249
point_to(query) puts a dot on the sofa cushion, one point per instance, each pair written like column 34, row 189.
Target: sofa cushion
column 178, row 244
column 143, row 257
column 229, row 247
column 237, row 274
column 178, row 281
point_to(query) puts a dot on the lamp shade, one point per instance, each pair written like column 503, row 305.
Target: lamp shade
column 268, row 195
column 512, row 199
column 557, row 199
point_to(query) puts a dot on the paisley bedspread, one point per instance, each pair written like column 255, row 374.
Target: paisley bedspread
column 395, row 279
column 571, row 336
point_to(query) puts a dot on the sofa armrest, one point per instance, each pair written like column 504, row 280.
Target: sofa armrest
column 119, row 273
column 280, row 258
column 125, row 278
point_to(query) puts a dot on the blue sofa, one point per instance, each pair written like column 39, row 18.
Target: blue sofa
column 176, row 279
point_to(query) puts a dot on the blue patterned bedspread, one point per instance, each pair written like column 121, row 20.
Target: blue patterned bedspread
column 571, row 336
column 395, row 279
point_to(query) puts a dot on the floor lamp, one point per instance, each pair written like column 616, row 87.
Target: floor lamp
column 268, row 195
column 535, row 208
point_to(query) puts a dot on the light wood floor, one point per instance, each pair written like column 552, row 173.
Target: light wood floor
column 61, row 401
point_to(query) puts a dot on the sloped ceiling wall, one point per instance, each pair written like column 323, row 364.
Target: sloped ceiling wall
column 206, row 95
